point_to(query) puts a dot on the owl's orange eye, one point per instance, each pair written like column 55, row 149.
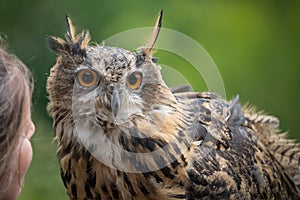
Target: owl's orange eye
column 87, row 77
column 134, row 80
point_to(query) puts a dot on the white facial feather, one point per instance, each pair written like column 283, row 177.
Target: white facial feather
column 131, row 104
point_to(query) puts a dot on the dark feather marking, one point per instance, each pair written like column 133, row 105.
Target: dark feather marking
column 60, row 117
column 104, row 188
column 160, row 143
column 181, row 183
column 128, row 183
column 205, row 119
column 74, row 191
column 259, row 176
column 194, row 193
column 88, row 190
column 57, row 122
column 180, row 127
column 181, row 133
column 157, row 178
column 286, row 150
column 211, row 164
column 197, row 178
column 201, row 132
column 76, row 155
column 143, row 189
column 220, row 185
column 178, row 196
column 91, row 180
column 124, row 142
column 147, row 143
column 114, row 190
column 167, row 172
column 98, row 196
column 235, row 176
column 89, row 166
column 140, row 59
column 174, row 164
column 66, row 176
column 276, row 148
column 290, row 182
column 183, row 160
column 65, row 151
column 61, row 131
column 291, row 156
column 86, row 156
column 173, row 159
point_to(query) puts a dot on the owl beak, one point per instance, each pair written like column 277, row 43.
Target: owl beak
column 115, row 102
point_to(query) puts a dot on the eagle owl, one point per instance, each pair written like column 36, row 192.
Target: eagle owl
column 123, row 134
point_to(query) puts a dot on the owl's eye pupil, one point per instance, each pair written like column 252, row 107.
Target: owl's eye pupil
column 134, row 80
column 87, row 77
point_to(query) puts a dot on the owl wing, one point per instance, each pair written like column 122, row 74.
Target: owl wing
column 215, row 117
column 229, row 159
column 286, row 151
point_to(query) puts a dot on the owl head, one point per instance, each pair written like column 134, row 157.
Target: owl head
column 120, row 83
column 112, row 98
column 111, row 84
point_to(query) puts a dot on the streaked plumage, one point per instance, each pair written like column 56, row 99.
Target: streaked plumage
column 123, row 134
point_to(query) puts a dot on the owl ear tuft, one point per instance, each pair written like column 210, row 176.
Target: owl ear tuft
column 74, row 43
column 54, row 43
column 147, row 50
column 71, row 31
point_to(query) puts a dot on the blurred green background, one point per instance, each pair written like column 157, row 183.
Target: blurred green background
column 255, row 44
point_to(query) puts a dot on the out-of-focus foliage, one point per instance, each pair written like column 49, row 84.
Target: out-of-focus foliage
column 255, row 44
